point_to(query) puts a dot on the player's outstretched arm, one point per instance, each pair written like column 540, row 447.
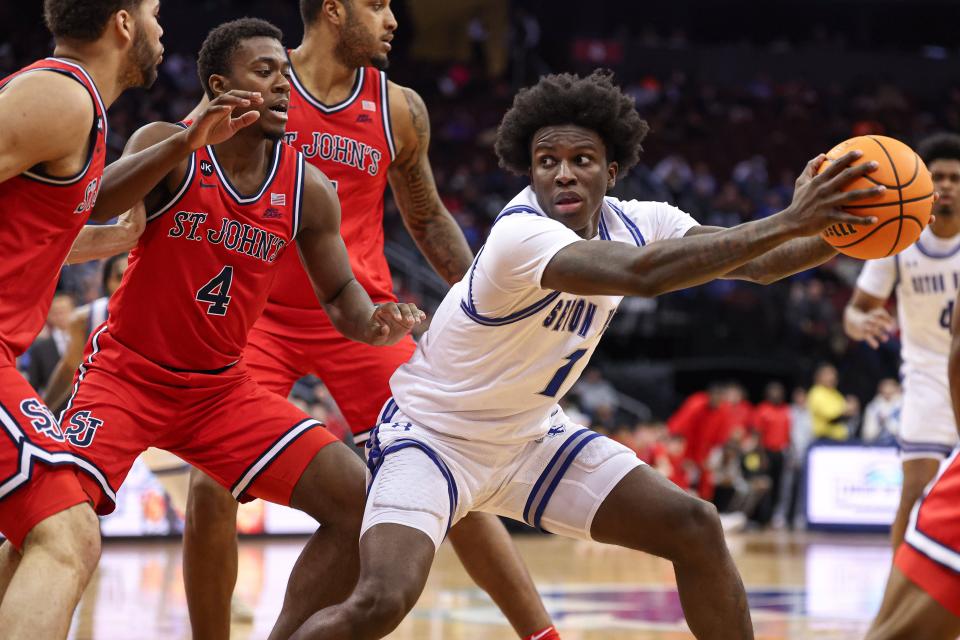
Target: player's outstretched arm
column 411, row 179
column 599, row 268
column 789, row 258
column 58, row 388
column 324, row 257
column 98, row 241
column 797, row 255
column 865, row 318
column 129, row 179
column 37, row 129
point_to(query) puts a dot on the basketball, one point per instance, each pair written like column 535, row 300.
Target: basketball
column 902, row 211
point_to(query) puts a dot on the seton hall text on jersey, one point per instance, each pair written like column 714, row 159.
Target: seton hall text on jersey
column 233, row 235
column 341, row 149
column 935, row 282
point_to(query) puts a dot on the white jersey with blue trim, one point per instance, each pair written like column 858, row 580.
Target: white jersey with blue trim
column 501, row 349
column 926, row 276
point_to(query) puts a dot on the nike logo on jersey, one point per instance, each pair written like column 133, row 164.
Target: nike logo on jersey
column 339, row 149
column 235, row 236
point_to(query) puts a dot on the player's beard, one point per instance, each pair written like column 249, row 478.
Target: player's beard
column 141, row 68
column 354, row 43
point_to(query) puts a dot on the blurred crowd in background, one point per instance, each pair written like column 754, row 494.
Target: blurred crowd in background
column 727, row 142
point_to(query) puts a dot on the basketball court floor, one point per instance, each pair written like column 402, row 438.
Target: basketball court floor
column 801, row 585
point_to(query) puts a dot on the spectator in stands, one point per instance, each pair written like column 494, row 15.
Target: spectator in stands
column 730, row 488
column 739, row 411
column 801, row 434
column 593, row 392
column 646, row 439
column 755, row 468
column 671, row 461
column 881, row 418
column 704, row 422
column 829, row 409
column 45, row 352
column 771, row 419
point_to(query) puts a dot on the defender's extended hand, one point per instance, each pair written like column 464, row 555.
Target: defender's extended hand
column 393, row 320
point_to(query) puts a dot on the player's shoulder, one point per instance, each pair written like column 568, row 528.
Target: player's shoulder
column 33, row 94
column 401, row 96
column 409, row 117
column 315, row 178
column 641, row 208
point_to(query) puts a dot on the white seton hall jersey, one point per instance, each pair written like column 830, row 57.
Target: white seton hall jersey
column 926, row 276
column 501, row 350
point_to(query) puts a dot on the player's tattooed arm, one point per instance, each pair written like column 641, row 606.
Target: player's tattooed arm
column 613, row 268
column 97, row 241
column 787, row 259
column 324, row 257
column 411, row 179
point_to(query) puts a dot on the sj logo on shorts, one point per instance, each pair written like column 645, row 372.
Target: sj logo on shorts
column 82, row 428
column 41, row 419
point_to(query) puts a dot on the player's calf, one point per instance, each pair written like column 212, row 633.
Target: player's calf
column 648, row 513
column 59, row 556
column 331, row 490
column 209, row 556
column 396, row 561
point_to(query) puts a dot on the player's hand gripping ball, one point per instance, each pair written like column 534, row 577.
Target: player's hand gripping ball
column 902, row 211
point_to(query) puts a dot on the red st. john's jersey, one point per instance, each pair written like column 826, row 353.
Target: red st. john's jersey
column 201, row 272
column 352, row 143
column 41, row 217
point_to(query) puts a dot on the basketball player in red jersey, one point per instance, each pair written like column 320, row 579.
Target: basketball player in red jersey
column 166, row 368
column 51, row 163
column 922, row 598
column 362, row 131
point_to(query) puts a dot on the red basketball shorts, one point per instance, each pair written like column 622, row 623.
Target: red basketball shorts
column 248, row 439
column 36, row 475
column 282, row 348
column 930, row 555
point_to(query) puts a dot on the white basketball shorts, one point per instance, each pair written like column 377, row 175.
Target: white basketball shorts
column 927, row 426
column 428, row 481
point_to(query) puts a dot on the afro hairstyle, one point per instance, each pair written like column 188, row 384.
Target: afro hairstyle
column 593, row 102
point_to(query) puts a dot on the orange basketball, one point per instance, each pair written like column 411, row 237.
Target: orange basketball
column 902, row 211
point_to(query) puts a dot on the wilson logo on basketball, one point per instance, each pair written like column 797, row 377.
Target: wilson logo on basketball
column 840, row 231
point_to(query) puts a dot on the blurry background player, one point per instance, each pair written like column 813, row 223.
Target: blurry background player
column 52, row 155
column 926, row 277
column 362, row 131
column 474, row 422
column 225, row 197
column 922, row 598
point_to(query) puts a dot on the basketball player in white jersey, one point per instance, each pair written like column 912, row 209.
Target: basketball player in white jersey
column 926, row 277
column 474, row 422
